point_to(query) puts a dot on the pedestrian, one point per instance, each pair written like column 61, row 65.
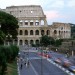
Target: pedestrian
column 25, row 63
column 28, row 63
column 21, row 66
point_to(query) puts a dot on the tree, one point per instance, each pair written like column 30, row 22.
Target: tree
column 7, row 54
column 9, row 24
column 45, row 40
column 58, row 42
column 2, row 36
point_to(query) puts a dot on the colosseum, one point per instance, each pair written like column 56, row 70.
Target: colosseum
column 33, row 24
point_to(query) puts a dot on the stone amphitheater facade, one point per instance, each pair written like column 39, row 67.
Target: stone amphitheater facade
column 33, row 24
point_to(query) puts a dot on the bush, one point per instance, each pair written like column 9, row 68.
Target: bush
column 15, row 51
column 7, row 53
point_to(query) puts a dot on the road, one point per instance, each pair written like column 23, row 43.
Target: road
column 38, row 65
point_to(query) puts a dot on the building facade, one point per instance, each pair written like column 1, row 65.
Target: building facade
column 33, row 24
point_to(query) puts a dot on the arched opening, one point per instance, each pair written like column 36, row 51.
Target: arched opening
column 42, row 22
column 59, row 32
column 31, row 42
column 31, row 32
column 26, row 32
column 21, row 42
column 26, row 42
column 37, row 42
column 55, row 32
column 15, row 41
column 21, row 32
column 37, row 32
column 48, row 32
column 42, row 32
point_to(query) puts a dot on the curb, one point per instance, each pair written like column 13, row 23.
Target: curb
column 18, row 68
column 65, row 70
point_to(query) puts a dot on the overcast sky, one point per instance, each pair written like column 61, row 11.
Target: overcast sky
column 55, row 10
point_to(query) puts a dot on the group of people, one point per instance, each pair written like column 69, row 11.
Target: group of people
column 26, row 63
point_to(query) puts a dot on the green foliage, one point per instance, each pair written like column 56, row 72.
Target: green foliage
column 15, row 51
column 9, row 24
column 3, row 64
column 58, row 42
column 2, row 37
column 45, row 41
column 7, row 54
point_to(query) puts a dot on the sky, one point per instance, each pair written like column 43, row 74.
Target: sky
column 55, row 10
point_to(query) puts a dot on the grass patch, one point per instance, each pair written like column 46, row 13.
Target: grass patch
column 12, row 68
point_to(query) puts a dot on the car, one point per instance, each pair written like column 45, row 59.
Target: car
column 57, row 60
column 72, row 68
column 66, row 63
column 47, row 55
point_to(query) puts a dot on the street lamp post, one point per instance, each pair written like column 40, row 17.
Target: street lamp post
column 41, row 59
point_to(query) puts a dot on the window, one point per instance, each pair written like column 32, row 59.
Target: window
column 21, row 22
column 31, row 22
column 37, row 22
column 31, row 11
column 26, row 22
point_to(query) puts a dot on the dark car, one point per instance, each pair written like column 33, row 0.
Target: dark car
column 72, row 68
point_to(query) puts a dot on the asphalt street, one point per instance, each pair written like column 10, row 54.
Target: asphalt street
column 37, row 66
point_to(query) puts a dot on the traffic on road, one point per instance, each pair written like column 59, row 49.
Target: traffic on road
column 37, row 63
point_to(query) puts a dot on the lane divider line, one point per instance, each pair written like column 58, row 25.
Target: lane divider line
column 34, row 69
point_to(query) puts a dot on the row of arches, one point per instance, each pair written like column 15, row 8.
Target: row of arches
column 28, row 42
column 55, row 32
column 42, row 32
column 36, row 32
